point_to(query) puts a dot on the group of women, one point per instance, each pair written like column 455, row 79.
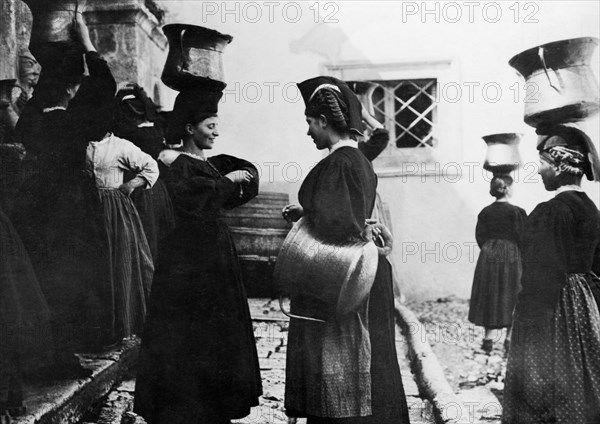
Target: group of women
column 110, row 222
column 538, row 276
column 76, row 264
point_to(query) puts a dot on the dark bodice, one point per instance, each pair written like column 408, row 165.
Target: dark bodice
column 148, row 139
column 199, row 190
column 338, row 194
column 59, row 138
column 562, row 236
column 500, row 221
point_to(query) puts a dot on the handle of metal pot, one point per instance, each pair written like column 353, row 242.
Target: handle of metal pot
column 288, row 314
column 541, row 55
column 184, row 64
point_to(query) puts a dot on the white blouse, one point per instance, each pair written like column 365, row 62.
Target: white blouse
column 110, row 157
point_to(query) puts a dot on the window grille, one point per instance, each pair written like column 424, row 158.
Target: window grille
column 408, row 108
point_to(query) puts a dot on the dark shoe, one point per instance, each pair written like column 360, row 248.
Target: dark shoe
column 487, row 346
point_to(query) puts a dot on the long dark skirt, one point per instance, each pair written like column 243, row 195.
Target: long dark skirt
column 156, row 213
column 198, row 362
column 496, row 284
column 131, row 264
column 25, row 340
column 59, row 218
column 553, row 370
column 387, row 391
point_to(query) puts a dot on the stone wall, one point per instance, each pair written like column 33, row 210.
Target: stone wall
column 129, row 37
column 126, row 32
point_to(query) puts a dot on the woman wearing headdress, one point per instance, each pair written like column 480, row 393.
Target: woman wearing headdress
column 58, row 213
column 497, row 279
column 553, row 371
column 345, row 369
column 198, row 362
column 135, row 121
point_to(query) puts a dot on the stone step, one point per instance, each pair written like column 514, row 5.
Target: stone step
column 68, row 401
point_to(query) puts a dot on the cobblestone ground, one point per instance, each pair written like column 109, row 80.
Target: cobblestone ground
column 457, row 345
column 270, row 330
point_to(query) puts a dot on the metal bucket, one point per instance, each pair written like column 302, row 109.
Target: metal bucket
column 561, row 86
column 502, row 156
column 195, row 57
column 336, row 277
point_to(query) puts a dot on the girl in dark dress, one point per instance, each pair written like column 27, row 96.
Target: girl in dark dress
column 345, row 370
column 553, row 370
column 198, row 362
column 497, row 280
column 135, row 121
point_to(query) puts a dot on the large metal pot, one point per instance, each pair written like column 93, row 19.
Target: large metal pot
column 561, row 86
column 502, row 154
column 364, row 91
column 53, row 20
column 337, row 278
column 195, row 57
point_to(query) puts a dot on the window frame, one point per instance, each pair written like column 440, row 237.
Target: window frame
column 447, row 129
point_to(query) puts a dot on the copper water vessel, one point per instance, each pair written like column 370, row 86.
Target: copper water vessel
column 195, row 57
column 560, row 84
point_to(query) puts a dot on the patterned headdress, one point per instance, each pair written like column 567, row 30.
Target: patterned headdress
column 570, row 150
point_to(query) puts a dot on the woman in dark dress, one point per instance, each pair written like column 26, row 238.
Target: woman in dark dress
column 135, row 121
column 198, row 362
column 58, row 214
column 497, row 280
column 553, row 371
column 345, row 370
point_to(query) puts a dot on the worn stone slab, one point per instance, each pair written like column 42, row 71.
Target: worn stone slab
column 478, row 405
column 67, row 401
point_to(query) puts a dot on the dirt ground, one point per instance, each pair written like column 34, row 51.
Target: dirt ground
column 457, row 345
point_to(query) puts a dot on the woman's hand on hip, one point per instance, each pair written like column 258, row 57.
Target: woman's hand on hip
column 126, row 188
column 292, row 213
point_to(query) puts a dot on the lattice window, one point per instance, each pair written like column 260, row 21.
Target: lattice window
column 408, row 108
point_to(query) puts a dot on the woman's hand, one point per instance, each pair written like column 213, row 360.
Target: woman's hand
column 380, row 235
column 128, row 187
column 370, row 120
column 292, row 213
column 240, row 176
